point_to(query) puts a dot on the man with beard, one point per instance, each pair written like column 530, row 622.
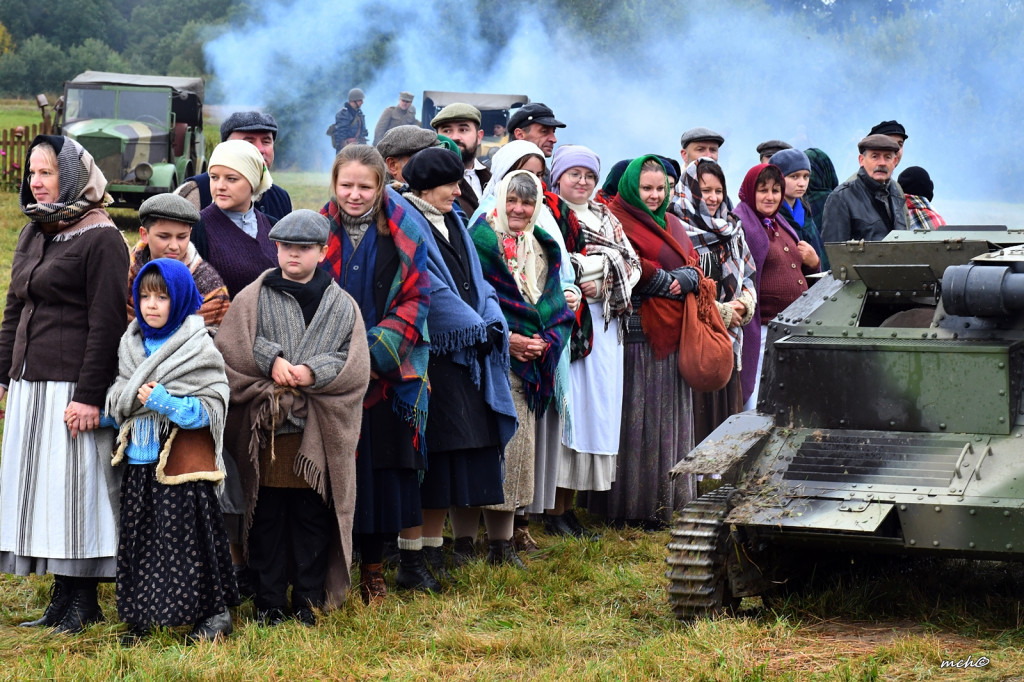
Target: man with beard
column 536, row 123
column 868, row 206
column 461, row 123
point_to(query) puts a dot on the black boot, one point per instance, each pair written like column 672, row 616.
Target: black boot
column 211, row 628
column 556, row 525
column 134, row 635
column 463, row 551
column 577, row 528
column 413, row 573
column 60, row 597
column 502, row 552
column 436, row 562
column 84, row 609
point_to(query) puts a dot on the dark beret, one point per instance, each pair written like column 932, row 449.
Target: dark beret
column 889, row 128
column 915, row 180
column 431, row 168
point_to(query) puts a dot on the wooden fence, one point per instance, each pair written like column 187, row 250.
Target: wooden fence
column 14, row 143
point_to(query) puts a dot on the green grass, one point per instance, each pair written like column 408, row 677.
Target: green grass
column 19, row 112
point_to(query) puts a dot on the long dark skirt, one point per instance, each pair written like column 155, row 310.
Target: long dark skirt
column 387, row 500
column 711, row 409
column 173, row 563
column 463, row 478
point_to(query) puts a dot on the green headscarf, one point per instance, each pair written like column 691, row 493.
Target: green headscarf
column 629, row 188
column 449, row 143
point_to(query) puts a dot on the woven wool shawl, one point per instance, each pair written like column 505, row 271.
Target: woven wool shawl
column 399, row 342
column 186, row 365
column 333, row 414
column 619, row 261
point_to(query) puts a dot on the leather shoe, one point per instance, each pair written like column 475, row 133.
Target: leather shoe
column 463, row 551
column 60, row 599
column 522, row 540
column 436, row 562
column 270, row 617
column 84, row 609
column 577, row 528
column 557, row 526
column 501, row 552
column 133, row 636
column 372, row 585
column 306, row 616
column 212, row 628
column 413, row 573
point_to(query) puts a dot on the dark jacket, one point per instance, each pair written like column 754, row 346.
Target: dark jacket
column 469, row 200
column 65, row 310
column 349, row 123
column 857, row 210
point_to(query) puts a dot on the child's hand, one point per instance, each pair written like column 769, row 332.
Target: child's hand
column 281, row 372
column 145, row 390
column 302, row 375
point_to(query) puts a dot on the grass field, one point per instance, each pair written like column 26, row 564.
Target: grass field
column 582, row 611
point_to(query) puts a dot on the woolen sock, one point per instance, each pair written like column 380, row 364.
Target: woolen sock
column 432, row 542
column 416, row 544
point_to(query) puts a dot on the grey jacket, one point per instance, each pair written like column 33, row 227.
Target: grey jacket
column 855, row 210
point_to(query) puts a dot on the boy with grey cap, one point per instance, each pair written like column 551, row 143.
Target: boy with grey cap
column 166, row 230
column 350, row 122
column 869, row 205
column 400, row 143
column 402, row 114
column 260, row 130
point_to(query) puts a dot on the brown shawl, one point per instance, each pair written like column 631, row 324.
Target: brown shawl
column 326, row 458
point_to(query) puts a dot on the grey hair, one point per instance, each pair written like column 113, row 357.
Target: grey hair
column 523, row 187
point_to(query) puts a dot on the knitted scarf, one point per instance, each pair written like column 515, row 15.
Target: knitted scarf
column 399, row 342
column 187, row 364
column 82, row 185
column 548, row 317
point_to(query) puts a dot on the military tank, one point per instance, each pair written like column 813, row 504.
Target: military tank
column 890, row 419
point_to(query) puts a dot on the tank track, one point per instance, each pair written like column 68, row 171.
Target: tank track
column 698, row 584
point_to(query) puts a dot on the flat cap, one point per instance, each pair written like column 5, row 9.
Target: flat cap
column 882, row 143
column 432, row 168
column 696, row 134
column 406, row 96
column 889, row 128
column 169, row 207
column 405, row 141
column 243, row 121
column 355, row 94
column 301, row 226
column 456, row 112
column 771, row 146
column 534, row 112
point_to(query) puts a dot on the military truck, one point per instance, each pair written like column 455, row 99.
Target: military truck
column 145, row 132
column 890, row 419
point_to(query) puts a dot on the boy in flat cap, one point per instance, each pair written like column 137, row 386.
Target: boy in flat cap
column 166, row 232
column 868, row 206
column 298, row 366
column 402, row 114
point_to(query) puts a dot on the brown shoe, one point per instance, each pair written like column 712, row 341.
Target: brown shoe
column 372, row 586
column 523, row 541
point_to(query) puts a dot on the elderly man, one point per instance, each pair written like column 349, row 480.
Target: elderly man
column 260, row 130
column 766, row 150
column 398, row 144
column 403, row 114
column 536, row 123
column 868, row 206
column 694, row 144
column 350, row 122
column 894, row 130
column 461, row 122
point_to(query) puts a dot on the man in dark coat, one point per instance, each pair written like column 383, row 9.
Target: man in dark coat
column 402, row 114
column 350, row 122
column 868, row 206
column 461, row 123
column 260, row 130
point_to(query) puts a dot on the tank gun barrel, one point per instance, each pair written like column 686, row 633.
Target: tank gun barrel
column 982, row 290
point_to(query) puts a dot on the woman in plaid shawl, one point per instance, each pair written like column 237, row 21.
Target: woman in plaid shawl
column 376, row 252
column 717, row 234
column 523, row 265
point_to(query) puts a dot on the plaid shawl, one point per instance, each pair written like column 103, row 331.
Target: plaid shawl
column 823, row 181
column 550, row 317
column 582, row 339
column 922, row 215
column 619, row 261
column 399, row 342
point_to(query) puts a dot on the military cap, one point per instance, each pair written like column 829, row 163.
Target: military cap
column 406, row 96
column 169, row 207
column 355, row 94
column 882, row 143
column 535, row 112
column 456, row 112
column 771, row 146
column 301, row 226
column 244, row 121
column 695, row 134
column 405, row 141
column 889, row 128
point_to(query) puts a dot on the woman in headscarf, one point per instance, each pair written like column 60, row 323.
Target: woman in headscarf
column 609, row 268
column 657, row 427
column 58, row 354
column 231, row 233
column 472, row 416
column 522, row 264
column 558, row 222
column 823, row 181
column 781, row 260
column 377, row 252
column 717, row 235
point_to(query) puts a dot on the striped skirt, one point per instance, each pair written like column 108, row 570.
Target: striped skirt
column 56, row 514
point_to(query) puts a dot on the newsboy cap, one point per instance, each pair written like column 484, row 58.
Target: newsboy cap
column 405, row 140
column 534, row 112
column 878, row 142
column 169, row 207
column 244, row 121
column 301, row 226
column 695, row 134
column 769, row 147
column 889, row 128
column 458, row 111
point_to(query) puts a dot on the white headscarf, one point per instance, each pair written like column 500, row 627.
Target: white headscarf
column 244, row 158
column 524, row 265
column 504, row 159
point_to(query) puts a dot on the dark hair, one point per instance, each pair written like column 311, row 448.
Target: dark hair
column 368, row 156
column 153, row 282
column 709, row 167
column 770, row 173
column 518, row 165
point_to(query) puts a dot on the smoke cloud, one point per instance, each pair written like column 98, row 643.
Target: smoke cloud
column 750, row 70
